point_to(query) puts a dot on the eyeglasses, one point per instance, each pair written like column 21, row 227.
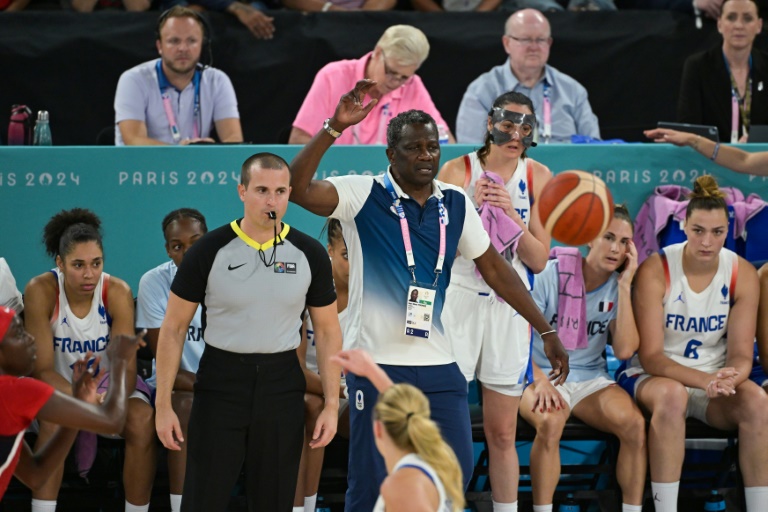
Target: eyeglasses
column 391, row 74
column 527, row 41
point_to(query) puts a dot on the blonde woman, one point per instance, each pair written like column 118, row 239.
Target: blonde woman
column 423, row 472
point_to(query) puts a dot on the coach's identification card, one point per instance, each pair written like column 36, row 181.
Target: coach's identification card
column 418, row 316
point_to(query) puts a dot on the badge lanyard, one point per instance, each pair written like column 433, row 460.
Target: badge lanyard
column 739, row 106
column 164, row 86
column 547, row 112
column 407, row 233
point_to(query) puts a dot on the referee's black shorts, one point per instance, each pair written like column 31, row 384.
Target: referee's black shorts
column 247, row 407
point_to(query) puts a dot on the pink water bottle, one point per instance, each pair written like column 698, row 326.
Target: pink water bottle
column 20, row 127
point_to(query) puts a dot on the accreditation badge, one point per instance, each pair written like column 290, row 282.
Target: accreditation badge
column 419, row 308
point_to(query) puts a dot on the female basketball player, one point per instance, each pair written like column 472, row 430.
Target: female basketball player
column 23, row 400
column 488, row 337
column 696, row 306
column 312, row 458
column 71, row 310
column 590, row 394
column 423, row 472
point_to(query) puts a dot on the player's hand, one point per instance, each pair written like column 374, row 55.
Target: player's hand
column 546, row 397
column 356, row 361
column 351, row 109
column 168, row 428
column 83, row 384
column 558, row 358
column 630, row 265
column 498, row 195
column 722, row 382
column 325, row 427
column 672, row 136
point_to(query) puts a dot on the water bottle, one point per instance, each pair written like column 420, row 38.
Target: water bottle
column 20, row 127
column 42, row 130
column 714, row 502
column 569, row 504
column 442, row 134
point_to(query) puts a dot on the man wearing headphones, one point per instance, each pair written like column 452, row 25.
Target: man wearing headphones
column 173, row 99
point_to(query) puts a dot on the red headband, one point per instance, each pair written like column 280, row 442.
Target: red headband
column 6, row 317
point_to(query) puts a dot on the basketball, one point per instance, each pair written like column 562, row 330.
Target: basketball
column 575, row 207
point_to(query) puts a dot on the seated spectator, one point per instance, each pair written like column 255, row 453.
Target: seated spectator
column 260, row 25
column 455, row 5
column 339, row 5
column 181, row 229
column 24, row 399
column 561, row 103
column 174, row 99
column 13, row 5
column 72, row 310
column 95, row 5
column 696, row 309
column 732, row 73
column 392, row 64
column 423, row 472
column 602, row 295
column 560, row 5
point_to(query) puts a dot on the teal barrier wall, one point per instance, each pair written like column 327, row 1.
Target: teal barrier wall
column 132, row 189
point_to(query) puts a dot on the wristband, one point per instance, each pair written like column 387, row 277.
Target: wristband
column 542, row 334
column 327, row 6
column 714, row 153
column 327, row 125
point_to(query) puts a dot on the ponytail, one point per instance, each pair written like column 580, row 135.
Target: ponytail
column 404, row 412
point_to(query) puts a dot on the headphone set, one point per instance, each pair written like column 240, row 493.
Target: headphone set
column 200, row 18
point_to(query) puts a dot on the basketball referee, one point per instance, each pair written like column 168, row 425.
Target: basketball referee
column 253, row 278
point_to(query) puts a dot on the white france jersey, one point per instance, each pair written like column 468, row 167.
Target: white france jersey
column 414, row 461
column 517, row 186
column 696, row 324
column 378, row 272
column 73, row 337
column 602, row 305
column 312, row 348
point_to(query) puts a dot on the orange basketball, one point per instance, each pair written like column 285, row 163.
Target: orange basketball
column 575, row 207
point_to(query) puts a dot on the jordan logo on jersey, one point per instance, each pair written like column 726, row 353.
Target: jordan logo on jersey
column 724, row 293
column 64, row 321
column 679, row 298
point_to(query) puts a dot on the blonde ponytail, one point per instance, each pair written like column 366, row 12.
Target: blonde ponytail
column 404, row 412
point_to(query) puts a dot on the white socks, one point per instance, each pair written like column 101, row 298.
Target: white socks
column 136, row 508
column 309, row 503
column 756, row 498
column 665, row 496
column 542, row 508
column 298, row 509
column 175, row 502
column 504, row 507
column 631, row 508
column 43, row 505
